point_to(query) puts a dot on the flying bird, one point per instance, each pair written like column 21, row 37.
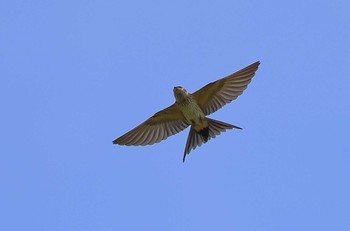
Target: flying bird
column 191, row 109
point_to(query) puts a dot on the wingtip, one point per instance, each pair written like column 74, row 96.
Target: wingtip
column 257, row 63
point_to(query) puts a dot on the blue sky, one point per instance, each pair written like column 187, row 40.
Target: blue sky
column 75, row 75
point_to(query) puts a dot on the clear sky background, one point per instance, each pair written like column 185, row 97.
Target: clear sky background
column 75, row 75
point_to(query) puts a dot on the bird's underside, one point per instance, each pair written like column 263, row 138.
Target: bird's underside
column 192, row 110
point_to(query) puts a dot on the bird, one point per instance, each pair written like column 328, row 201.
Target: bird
column 192, row 109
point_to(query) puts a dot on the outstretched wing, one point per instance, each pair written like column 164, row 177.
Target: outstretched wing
column 215, row 95
column 160, row 126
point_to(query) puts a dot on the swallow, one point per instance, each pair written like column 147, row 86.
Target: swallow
column 192, row 109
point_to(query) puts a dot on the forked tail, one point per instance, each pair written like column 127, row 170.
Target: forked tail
column 196, row 139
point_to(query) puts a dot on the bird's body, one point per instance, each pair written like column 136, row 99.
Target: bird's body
column 191, row 110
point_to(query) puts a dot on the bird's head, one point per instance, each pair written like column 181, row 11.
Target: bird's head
column 180, row 93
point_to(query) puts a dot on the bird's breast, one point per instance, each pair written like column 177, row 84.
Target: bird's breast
column 191, row 110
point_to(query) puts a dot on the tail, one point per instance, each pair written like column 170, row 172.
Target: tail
column 214, row 128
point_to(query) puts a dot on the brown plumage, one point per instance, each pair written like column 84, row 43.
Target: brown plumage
column 192, row 109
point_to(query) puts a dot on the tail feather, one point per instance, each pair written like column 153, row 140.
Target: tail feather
column 196, row 139
column 204, row 133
